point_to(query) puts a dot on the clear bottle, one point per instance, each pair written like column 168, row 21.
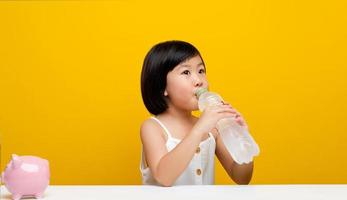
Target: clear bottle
column 236, row 138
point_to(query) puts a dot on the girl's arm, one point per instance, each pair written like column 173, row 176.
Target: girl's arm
column 240, row 174
column 166, row 166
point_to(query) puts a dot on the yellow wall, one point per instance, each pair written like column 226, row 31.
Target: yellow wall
column 70, row 82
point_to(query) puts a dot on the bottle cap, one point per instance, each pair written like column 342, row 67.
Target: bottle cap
column 200, row 91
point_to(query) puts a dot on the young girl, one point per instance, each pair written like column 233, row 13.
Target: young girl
column 179, row 148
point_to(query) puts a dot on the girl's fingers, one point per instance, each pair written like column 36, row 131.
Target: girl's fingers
column 228, row 111
column 233, row 114
column 225, row 103
column 240, row 122
column 220, row 110
column 227, row 115
column 226, row 108
column 237, row 112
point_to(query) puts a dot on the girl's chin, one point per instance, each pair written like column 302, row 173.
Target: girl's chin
column 195, row 104
column 191, row 106
column 195, row 108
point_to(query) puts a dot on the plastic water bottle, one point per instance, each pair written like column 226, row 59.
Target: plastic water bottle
column 235, row 137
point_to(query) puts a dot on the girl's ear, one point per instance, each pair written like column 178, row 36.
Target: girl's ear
column 165, row 93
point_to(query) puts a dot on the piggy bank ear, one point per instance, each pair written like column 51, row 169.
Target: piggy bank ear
column 16, row 161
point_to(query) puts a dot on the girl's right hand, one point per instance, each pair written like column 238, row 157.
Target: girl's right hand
column 211, row 115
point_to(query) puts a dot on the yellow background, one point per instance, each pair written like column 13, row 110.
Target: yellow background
column 70, row 82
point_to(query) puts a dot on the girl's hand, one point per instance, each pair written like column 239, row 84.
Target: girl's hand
column 211, row 115
column 238, row 117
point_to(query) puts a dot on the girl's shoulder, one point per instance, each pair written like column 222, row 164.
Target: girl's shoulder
column 151, row 128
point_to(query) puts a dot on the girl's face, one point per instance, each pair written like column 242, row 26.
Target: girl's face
column 183, row 81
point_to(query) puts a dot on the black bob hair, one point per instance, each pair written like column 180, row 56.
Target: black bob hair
column 159, row 61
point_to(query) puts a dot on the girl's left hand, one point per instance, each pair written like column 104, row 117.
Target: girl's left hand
column 238, row 117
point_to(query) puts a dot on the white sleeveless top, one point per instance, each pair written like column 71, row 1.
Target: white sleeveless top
column 200, row 170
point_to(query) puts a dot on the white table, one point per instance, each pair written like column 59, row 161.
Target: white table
column 214, row 192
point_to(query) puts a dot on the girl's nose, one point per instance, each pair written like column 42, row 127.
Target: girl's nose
column 197, row 82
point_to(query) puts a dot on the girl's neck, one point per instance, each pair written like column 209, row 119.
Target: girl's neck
column 177, row 114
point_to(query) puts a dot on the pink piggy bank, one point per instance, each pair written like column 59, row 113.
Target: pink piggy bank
column 26, row 176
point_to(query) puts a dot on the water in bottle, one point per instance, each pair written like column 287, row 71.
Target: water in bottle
column 236, row 138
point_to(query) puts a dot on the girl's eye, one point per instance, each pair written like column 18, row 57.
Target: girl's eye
column 202, row 71
column 186, row 72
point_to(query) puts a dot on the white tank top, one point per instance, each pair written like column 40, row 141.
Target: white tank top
column 200, row 170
